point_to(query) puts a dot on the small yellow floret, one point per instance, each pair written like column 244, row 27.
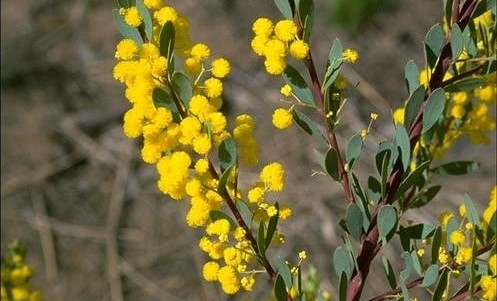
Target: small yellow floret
column 275, row 66
column 286, row 90
column 492, row 264
column 262, row 27
column 213, row 87
column 444, row 218
column 200, row 51
column 457, row 237
column 153, row 4
column 398, row 115
column 256, row 194
column 303, row 255
column 299, row 49
column 166, row 14
column 464, row 255
column 489, row 287
column 228, row 279
column 248, row 283
column 350, row 56
column 202, row 144
column 282, row 118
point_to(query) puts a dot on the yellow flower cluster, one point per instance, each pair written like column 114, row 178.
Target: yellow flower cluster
column 179, row 136
column 16, row 275
column 275, row 42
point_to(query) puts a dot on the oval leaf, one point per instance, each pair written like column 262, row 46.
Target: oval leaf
column 354, row 221
column 402, row 140
column 354, row 148
column 227, row 154
column 183, row 87
column 299, row 87
column 331, row 164
column 341, row 261
column 456, row 42
column 284, row 271
column 434, row 109
column 411, row 76
column 387, row 220
column 457, row 168
column 280, row 289
column 166, row 44
column 309, row 126
column 431, row 275
column 413, row 105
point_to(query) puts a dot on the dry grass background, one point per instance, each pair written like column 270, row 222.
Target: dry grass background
column 74, row 190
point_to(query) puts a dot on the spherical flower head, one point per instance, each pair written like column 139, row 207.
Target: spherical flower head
column 153, row 4
column 149, row 51
column 194, row 187
column 193, row 66
column 444, row 218
column 213, row 87
column 285, row 212
column 201, row 166
column 486, row 94
column 220, row 68
column 132, row 16
column 239, row 234
column 398, row 115
column 126, row 49
column 220, row 227
column 286, row 90
column 262, row 27
column 350, row 56
column 200, row 52
column 282, row 118
column 232, row 256
column 457, row 237
column 464, row 255
column 492, row 264
column 271, row 211
column 166, row 14
column 258, row 45
column 302, row 255
column 217, row 122
column 198, row 215
column 133, row 123
column 462, row 210
column 489, row 287
column 190, row 128
column 248, row 283
column 443, row 257
column 210, row 270
column 275, row 66
column 275, row 49
column 285, row 30
column 228, row 279
column 460, row 98
column 202, row 144
column 457, row 111
column 151, row 153
column 199, row 106
column 273, row 176
column 159, row 67
column 256, row 194
column 299, row 49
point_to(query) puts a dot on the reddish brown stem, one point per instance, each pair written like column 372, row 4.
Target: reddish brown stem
column 370, row 245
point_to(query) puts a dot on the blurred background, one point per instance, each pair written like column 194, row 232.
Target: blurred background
column 76, row 193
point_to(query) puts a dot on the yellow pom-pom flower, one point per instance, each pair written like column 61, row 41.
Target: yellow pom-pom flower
column 282, row 118
column 299, row 49
column 248, row 283
column 285, row 30
column 492, row 264
column 262, row 27
column 210, row 270
column 126, row 49
column 153, row 4
column 273, row 176
column 275, row 66
column 350, row 56
column 200, row 52
column 228, row 279
column 132, row 16
column 398, row 115
column 220, row 68
column 166, row 14
column 213, row 87
column 286, row 90
column 457, row 237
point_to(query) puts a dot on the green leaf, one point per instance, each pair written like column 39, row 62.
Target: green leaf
column 221, row 186
column 354, row 148
column 359, row 191
column 466, row 84
column 402, row 140
column 335, row 62
column 416, row 264
column 435, row 247
column 147, row 19
column 420, row 231
column 412, row 178
column 309, row 126
column 434, row 40
column 306, row 17
column 261, row 239
column 413, row 106
column 411, row 76
column 280, row 289
column 353, row 218
column 331, row 164
column 285, row 8
column 127, row 31
column 341, row 261
column 342, row 287
column 245, row 212
column 441, row 286
column 456, row 42
column 431, row 275
column 389, row 272
column 434, row 109
column 227, row 154
column 183, row 87
column 271, row 226
column 471, row 211
column 299, row 87
column 284, row 271
column 425, row 197
column 387, row 222
column 385, row 171
column 457, row 168
column 166, row 44
column 124, row 3
column 217, row 215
